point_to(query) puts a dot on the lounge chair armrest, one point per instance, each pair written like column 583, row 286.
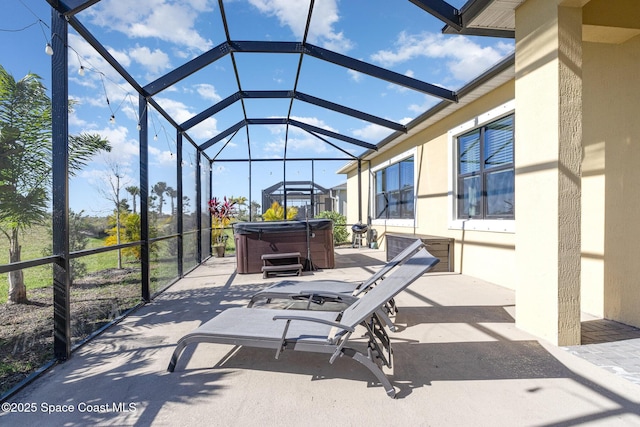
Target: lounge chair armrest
column 313, row 319
column 337, row 325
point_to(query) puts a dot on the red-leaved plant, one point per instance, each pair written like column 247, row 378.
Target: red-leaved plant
column 222, row 212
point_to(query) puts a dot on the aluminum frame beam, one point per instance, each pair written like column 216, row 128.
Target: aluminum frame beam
column 344, row 61
column 280, row 94
column 380, row 73
column 284, row 121
column 350, row 111
column 71, row 7
column 60, row 188
column 185, row 70
column 441, row 10
column 223, row 135
column 331, row 134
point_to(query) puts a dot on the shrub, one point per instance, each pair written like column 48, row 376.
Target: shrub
column 276, row 213
column 340, row 233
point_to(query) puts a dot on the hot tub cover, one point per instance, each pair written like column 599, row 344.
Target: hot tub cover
column 281, row 226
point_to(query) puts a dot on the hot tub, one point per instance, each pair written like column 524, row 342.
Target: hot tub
column 313, row 239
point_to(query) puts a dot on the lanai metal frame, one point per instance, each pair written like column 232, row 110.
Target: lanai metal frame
column 64, row 15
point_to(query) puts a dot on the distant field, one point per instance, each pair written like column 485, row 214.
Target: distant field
column 36, row 243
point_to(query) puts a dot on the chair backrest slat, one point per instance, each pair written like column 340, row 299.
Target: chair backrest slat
column 398, row 259
column 393, row 284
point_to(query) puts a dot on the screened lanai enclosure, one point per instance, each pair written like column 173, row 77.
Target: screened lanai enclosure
column 232, row 109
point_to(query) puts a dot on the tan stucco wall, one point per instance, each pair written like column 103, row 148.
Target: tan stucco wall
column 577, row 171
column 611, row 181
column 548, row 161
column 487, row 255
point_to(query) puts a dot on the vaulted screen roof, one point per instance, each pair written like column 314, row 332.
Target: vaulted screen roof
column 245, row 100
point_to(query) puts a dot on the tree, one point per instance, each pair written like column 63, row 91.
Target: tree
column 255, row 207
column 159, row 189
column 126, row 229
column 241, row 202
column 173, row 194
column 116, row 180
column 135, row 192
column 25, row 172
column 79, row 229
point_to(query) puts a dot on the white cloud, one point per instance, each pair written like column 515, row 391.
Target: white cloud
column 371, row 132
column 82, row 53
column 314, row 121
column 162, row 157
column 75, row 121
column 299, row 140
column 464, row 58
column 206, row 129
column 208, row 92
column 123, row 148
column 355, row 75
column 154, row 61
column 421, row 108
column 171, row 21
column 293, row 14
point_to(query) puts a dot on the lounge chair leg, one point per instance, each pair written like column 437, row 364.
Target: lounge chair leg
column 180, row 346
column 175, row 356
column 375, row 370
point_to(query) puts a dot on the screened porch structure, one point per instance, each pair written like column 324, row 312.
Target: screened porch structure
column 192, row 234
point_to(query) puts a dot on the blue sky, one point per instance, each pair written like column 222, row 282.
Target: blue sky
column 151, row 37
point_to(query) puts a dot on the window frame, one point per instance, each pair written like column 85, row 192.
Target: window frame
column 483, row 223
column 400, row 222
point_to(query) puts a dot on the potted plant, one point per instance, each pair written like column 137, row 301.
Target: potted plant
column 222, row 212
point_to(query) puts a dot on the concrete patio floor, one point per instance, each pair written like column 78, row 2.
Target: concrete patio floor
column 459, row 360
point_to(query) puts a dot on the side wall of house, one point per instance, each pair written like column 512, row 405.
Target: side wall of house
column 611, row 181
column 483, row 254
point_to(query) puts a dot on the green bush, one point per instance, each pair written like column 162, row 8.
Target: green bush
column 340, row 233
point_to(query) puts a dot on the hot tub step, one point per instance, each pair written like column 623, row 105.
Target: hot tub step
column 266, row 269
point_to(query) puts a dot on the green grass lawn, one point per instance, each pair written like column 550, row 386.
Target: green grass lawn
column 36, row 243
column 97, row 297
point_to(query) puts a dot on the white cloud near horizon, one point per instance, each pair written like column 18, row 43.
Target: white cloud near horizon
column 464, row 58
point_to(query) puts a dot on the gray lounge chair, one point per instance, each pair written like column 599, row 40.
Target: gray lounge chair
column 321, row 291
column 316, row 331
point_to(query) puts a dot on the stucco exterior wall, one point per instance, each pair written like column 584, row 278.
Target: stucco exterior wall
column 548, row 162
column 577, row 154
column 611, row 181
column 486, row 255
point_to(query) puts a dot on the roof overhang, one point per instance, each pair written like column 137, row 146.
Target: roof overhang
column 494, row 18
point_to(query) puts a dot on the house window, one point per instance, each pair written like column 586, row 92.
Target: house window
column 394, row 191
column 485, row 171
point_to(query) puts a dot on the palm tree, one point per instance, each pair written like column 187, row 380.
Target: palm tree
column 173, row 194
column 135, row 192
column 25, row 163
column 159, row 189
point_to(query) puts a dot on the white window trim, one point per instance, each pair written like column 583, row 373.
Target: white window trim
column 494, row 225
column 396, row 159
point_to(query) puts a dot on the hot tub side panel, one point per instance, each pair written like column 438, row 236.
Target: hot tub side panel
column 251, row 246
